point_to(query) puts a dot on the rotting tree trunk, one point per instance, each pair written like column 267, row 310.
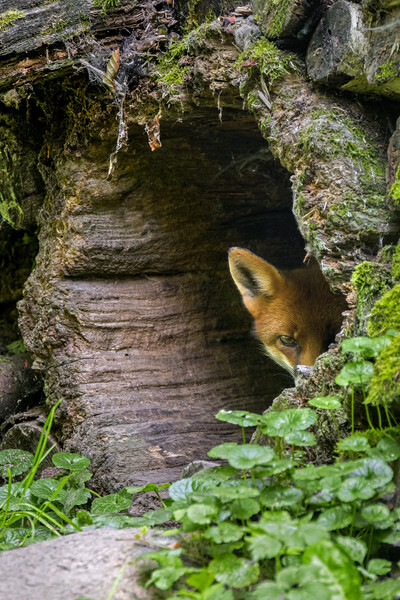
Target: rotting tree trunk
column 130, row 313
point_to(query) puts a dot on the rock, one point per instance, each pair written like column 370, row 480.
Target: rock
column 80, row 565
column 20, row 386
column 337, row 50
column 357, row 50
column 285, row 19
column 393, row 170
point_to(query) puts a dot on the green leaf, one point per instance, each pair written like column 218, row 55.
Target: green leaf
column 220, row 473
column 387, row 449
column 148, row 487
column 356, row 549
column 222, row 450
column 355, row 373
column 118, row 521
column 326, row 402
column 379, row 566
column 201, row 580
column 287, row 421
column 355, row 488
column 267, row 590
column 382, row 590
column 217, row 592
column 335, row 568
column 159, row 516
column 244, row 509
column 18, row 461
column 373, row 513
column 300, row 438
column 233, row 492
column 164, row 578
column 201, row 514
column 113, row 503
column 279, row 496
column 45, row 488
column 337, row 517
column 70, row 461
column 244, row 456
column 375, row 471
column 233, row 571
column 224, row 533
column 263, row 546
column 75, row 497
column 239, row 417
column 279, row 465
column 355, row 443
column 17, row 347
column 367, row 347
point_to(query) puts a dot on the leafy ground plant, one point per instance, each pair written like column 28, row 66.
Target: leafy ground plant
column 264, row 526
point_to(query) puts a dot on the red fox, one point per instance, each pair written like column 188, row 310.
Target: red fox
column 296, row 314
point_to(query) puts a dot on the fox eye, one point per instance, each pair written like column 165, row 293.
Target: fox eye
column 287, row 340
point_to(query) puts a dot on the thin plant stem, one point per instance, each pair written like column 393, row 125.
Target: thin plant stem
column 387, row 415
column 378, row 410
column 352, row 409
column 243, row 435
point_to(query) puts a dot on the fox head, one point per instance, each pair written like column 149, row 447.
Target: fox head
column 296, row 315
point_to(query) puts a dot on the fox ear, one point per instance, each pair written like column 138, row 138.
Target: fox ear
column 253, row 275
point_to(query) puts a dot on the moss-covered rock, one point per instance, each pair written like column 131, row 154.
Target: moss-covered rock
column 371, row 280
column 386, row 313
column 385, row 384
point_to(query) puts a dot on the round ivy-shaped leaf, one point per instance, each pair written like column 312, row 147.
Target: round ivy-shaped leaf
column 382, row 590
column 379, row 566
column 355, row 373
column 354, row 443
column 326, row 402
column 46, row 488
column 375, row 471
column 374, row 513
column 224, row 533
column 113, row 503
column 222, row 450
column 233, row 571
column 300, row 438
column 312, row 533
column 246, row 456
column 356, row 549
column 279, row 465
column 201, row 514
column 239, row 417
column 231, row 492
column 337, row 517
column 355, row 488
column 263, row 546
column 17, row 461
column 183, row 488
column 267, row 589
column 281, row 497
column 70, row 461
column 287, row 421
column 386, row 449
column 244, row 509
column 148, row 487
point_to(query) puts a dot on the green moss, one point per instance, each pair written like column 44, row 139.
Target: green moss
column 106, row 4
column 386, row 71
column 395, row 189
column 271, row 15
column 167, row 69
column 386, row 313
column 370, row 281
column 55, row 27
column 330, row 134
column 396, row 263
column 385, row 384
column 272, row 62
column 7, row 18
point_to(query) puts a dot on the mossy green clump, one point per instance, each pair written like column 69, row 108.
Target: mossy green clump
column 331, row 134
column 396, row 263
column 387, row 71
column 385, row 383
column 386, row 313
column 370, row 281
column 271, row 15
column 106, row 4
column 395, row 189
column 167, row 70
column 9, row 17
column 272, row 62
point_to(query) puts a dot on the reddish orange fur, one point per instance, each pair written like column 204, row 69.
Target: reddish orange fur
column 297, row 304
